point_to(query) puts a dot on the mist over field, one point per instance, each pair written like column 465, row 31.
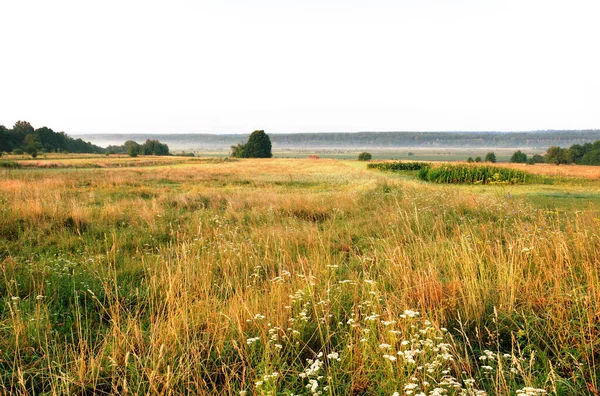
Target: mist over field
column 359, row 140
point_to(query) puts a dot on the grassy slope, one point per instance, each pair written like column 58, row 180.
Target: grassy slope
column 227, row 276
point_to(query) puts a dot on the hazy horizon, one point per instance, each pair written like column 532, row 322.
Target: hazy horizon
column 147, row 67
column 325, row 132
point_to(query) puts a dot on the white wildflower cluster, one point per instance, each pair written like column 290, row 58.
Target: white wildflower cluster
column 409, row 314
column 416, row 350
column 313, row 374
column 284, row 275
column 487, row 354
column 528, row 391
column 266, row 378
column 490, row 362
column 334, row 356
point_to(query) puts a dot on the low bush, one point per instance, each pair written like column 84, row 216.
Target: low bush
column 9, row 164
column 365, row 156
column 398, row 166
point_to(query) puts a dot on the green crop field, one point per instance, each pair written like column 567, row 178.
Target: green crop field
column 283, row 276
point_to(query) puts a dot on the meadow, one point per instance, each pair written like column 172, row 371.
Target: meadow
column 385, row 153
column 295, row 277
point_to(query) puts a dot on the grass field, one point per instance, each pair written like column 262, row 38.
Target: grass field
column 396, row 153
column 295, row 276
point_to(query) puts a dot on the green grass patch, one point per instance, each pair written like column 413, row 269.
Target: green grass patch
column 398, row 166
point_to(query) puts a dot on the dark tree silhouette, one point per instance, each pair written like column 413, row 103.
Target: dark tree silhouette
column 258, row 146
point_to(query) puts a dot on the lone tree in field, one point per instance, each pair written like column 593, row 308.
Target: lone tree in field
column 518, row 157
column 490, row 157
column 365, row 156
column 258, row 146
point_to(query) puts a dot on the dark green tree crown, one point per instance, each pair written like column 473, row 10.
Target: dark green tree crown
column 258, row 146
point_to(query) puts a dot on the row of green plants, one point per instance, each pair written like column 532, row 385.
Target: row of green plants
column 9, row 164
column 398, row 166
column 456, row 174
column 464, row 174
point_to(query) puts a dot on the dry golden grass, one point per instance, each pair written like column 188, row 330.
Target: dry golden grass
column 156, row 281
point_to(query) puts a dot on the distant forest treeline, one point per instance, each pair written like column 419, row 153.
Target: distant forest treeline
column 533, row 139
column 23, row 137
column 133, row 148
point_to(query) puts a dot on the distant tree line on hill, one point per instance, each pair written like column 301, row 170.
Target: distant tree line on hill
column 24, row 138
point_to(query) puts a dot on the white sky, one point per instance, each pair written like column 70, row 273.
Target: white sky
column 299, row 66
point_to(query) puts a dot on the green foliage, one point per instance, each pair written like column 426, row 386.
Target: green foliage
column 591, row 158
column 9, row 164
column 4, row 139
column 150, row 147
column 518, row 157
column 365, row 156
column 18, row 151
column 582, row 154
column 490, row 157
column 238, row 151
column 398, row 166
column 478, row 159
column 538, row 159
column 133, row 150
column 24, row 137
column 469, row 174
column 557, row 155
column 22, row 128
column 154, row 147
column 32, row 144
column 577, row 151
column 258, row 146
column 588, row 155
column 470, row 160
